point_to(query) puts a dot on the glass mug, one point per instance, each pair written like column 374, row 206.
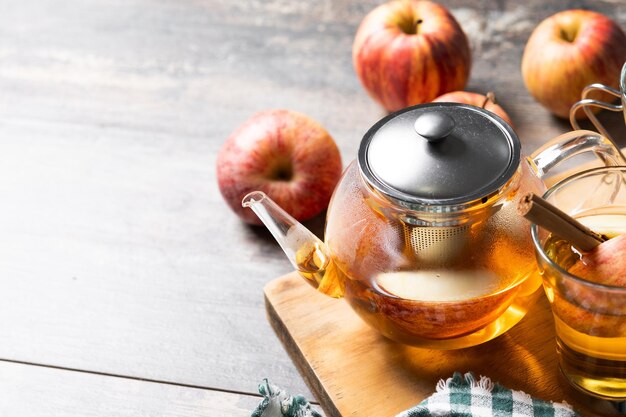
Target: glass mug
column 590, row 317
column 585, row 104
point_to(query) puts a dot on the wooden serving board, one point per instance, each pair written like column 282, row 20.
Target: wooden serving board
column 356, row 372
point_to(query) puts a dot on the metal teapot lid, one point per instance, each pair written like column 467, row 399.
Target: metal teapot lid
column 439, row 154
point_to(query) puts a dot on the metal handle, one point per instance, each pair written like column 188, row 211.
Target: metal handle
column 574, row 143
column 586, row 103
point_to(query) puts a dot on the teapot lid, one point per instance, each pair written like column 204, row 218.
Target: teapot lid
column 439, row 153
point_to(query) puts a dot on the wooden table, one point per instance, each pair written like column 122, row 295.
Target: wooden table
column 127, row 287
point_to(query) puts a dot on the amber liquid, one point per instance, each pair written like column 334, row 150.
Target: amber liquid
column 427, row 308
column 312, row 263
column 591, row 343
column 444, row 309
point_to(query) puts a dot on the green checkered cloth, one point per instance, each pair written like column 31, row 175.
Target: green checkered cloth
column 277, row 403
column 467, row 396
column 459, row 396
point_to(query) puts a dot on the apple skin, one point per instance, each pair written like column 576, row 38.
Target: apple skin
column 589, row 321
column 474, row 99
column 285, row 154
column 399, row 68
column 605, row 264
column 596, row 312
column 555, row 69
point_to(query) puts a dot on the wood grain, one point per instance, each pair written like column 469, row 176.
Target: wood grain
column 118, row 254
column 354, row 371
column 36, row 391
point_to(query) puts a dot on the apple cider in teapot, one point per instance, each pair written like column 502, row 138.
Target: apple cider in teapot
column 433, row 282
column 422, row 236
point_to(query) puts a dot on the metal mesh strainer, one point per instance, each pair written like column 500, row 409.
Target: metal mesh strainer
column 437, row 244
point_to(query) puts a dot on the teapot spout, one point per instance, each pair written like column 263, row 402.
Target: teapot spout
column 308, row 254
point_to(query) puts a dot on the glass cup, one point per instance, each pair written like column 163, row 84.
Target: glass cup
column 590, row 317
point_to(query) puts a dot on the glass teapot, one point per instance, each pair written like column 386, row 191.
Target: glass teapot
column 422, row 233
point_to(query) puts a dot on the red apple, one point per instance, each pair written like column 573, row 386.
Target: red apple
column 569, row 51
column 285, row 154
column 409, row 52
column 487, row 102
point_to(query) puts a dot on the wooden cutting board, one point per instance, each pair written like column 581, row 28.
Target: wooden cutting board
column 356, row 372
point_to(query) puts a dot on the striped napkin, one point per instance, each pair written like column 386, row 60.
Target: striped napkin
column 459, row 396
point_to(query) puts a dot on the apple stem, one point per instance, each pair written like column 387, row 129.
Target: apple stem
column 490, row 96
column 418, row 22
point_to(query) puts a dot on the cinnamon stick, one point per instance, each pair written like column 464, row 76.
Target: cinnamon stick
column 544, row 214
